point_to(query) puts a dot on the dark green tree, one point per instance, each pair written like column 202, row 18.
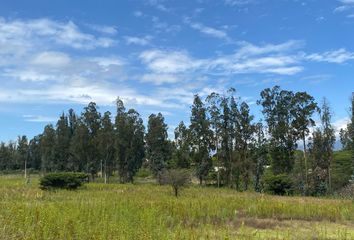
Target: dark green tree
column 201, row 139
column 23, row 153
column 62, row 144
column 158, row 148
column 79, row 148
column 321, row 150
column 92, row 120
column 129, row 144
column 106, row 137
column 278, row 110
column 303, row 108
column 181, row 154
column 47, row 148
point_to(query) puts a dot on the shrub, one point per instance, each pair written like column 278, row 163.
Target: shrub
column 347, row 192
column 63, row 180
column 177, row 178
column 278, row 184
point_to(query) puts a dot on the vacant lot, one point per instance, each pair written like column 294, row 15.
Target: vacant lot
column 147, row 211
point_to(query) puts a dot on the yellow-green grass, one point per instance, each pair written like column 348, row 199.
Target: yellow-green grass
column 148, row 211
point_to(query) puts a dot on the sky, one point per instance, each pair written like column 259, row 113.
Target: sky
column 156, row 54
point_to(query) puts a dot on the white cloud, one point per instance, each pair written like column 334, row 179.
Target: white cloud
column 336, row 56
column 159, row 79
column 35, row 32
column 340, row 124
column 346, row 5
column 238, row 2
column 209, row 30
column 39, row 118
column 28, row 75
column 110, row 30
column 51, row 59
column 143, row 41
column 217, row 33
column 160, row 61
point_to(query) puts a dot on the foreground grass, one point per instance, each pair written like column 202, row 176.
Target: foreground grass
column 145, row 211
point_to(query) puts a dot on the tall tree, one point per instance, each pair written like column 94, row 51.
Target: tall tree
column 92, row 119
column 80, row 148
column 106, row 146
column 158, row 149
column 129, row 144
column 278, row 111
column 62, row 143
column 303, row 108
column 201, row 139
column 322, row 151
column 181, row 155
column 213, row 107
column 23, row 153
column 35, row 153
column 47, row 142
column 246, row 131
column 260, row 155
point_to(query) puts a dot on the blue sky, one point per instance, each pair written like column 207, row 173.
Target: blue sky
column 155, row 54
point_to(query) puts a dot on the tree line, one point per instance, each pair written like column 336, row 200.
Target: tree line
column 222, row 144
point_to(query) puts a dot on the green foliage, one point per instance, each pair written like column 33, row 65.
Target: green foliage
column 341, row 169
column 158, row 147
column 63, row 180
column 280, row 184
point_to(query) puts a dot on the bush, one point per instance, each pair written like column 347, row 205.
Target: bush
column 278, row 184
column 347, row 192
column 63, row 180
column 177, row 178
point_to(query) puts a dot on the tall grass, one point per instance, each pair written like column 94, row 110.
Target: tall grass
column 147, row 211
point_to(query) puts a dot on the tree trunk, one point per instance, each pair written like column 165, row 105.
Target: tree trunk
column 25, row 168
column 176, row 191
column 305, row 160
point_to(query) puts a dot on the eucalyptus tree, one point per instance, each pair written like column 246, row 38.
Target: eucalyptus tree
column 92, row 120
column 23, row 153
column 181, row 154
column 62, row 143
column 80, row 148
column 47, row 148
column 303, row 108
column 260, row 154
column 106, row 137
column 246, row 132
column 35, row 152
column 129, row 144
column 321, row 149
column 158, row 148
column 278, row 111
column 201, row 139
column 213, row 101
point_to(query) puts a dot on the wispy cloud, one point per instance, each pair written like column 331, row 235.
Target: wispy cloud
column 143, row 41
column 335, row 56
column 213, row 32
column 29, row 32
column 39, row 118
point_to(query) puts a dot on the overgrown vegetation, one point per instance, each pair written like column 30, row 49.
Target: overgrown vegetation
column 64, row 180
column 150, row 211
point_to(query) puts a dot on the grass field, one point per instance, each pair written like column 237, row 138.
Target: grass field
column 148, row 211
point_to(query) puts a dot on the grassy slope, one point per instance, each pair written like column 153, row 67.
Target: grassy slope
column 146, row 211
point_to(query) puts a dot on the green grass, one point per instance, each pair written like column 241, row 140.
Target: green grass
column 148, row 211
